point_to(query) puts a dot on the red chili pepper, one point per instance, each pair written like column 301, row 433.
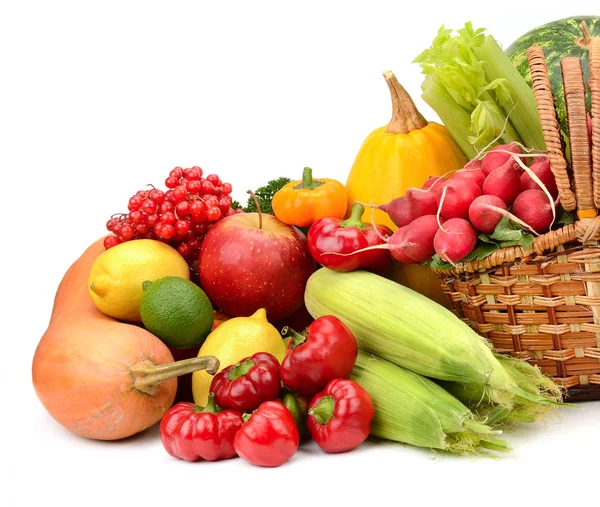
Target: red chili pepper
column 330, row 236
column 245, row 385
column 339, row 417
column 326, row 350
column 269, row 437
column 191, row 432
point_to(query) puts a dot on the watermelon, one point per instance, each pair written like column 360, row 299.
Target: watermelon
column 564, row 37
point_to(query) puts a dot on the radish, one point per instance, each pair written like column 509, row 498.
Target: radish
column 399, row 210
column 541, row 167
column 417, row 241
column 423, row 202
column 533, row 207
column 417, row 202
column 455, row 241
column 483, row 213
column 498, row 157
column 474, row 164
column 477, row 176
column 437, row 180
column 410, row 244
column 395, row 244
column 504, row 182
column 456, row 198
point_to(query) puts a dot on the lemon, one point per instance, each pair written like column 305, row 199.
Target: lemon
column 234, row 340
column 177, row 311
column 116, row 278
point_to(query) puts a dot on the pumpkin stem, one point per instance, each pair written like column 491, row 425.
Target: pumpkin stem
column 405, row 115
column 147, row 376
column 257, row 204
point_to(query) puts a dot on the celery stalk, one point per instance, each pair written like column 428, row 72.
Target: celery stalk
column 474, row 73
column 454, row 117
column 524, row 115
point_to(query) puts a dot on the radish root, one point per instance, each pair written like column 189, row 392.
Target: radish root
column 541, row 185
column 512, row 217
column 439, row 211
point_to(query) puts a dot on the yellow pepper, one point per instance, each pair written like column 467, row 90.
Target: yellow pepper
column 303, row 202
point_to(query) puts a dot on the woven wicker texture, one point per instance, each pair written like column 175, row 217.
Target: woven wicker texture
column 550, row 127
column 572, row 74
column 542, row 303
column 594, row 86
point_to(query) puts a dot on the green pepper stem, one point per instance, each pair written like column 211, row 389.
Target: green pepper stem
column 323, row 411
column 211, row 406
column 297, row 338
column 246, row 417
column 240, row 369
column 307, row 180
column 355, row 219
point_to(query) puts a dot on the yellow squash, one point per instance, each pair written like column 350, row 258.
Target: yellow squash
column 401, row 155
column 394, row 158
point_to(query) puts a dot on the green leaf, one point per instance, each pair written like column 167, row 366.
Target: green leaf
column 506, row 234
column 501, row 89
column 563, row 217
column 487, row 122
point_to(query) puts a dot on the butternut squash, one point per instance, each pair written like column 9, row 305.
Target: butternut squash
column 98, row 377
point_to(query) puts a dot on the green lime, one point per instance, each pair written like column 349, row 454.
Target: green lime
column 177, row 311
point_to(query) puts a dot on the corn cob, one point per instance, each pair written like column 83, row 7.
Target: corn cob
column 412, row 409
column 414, row 332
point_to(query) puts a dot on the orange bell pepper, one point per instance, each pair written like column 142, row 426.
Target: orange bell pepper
column 303, row 202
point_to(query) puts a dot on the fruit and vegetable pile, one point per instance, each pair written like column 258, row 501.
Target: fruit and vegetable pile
column 250, row 330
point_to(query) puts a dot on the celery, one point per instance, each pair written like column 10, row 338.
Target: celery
column 470, row 72
column 524, row 115
column 454, row 117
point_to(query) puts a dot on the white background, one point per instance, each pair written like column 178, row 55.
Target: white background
column 99, row 99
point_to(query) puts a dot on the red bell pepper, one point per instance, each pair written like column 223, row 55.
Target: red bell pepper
column 329, row 237
column 339, row 417
column 269, row 437
column 190, row 432
column 326, row 350
column 245, row 385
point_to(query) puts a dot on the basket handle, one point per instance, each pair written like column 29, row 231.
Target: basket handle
column 581, row 164
column 544, row 100
column 594, row 86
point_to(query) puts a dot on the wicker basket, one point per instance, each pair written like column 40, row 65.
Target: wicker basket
column 542, row 303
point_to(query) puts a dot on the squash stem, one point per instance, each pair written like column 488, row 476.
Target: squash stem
column 147, row 376
column 257, row 204
column 405, row 115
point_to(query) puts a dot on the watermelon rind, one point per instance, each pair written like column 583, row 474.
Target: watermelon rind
column 558, row 39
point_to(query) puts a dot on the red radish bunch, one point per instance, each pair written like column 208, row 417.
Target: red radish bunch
column 445, row 216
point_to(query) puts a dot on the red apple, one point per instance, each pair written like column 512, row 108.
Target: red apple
column 248, row 262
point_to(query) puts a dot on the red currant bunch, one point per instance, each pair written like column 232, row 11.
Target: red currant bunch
column 179, row 216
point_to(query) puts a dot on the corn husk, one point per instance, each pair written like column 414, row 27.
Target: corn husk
column 412, row 331
column 412, row 409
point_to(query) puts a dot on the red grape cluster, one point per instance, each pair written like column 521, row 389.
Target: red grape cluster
column 179, row 216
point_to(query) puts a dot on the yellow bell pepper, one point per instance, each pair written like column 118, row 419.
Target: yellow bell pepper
column 303, row 202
